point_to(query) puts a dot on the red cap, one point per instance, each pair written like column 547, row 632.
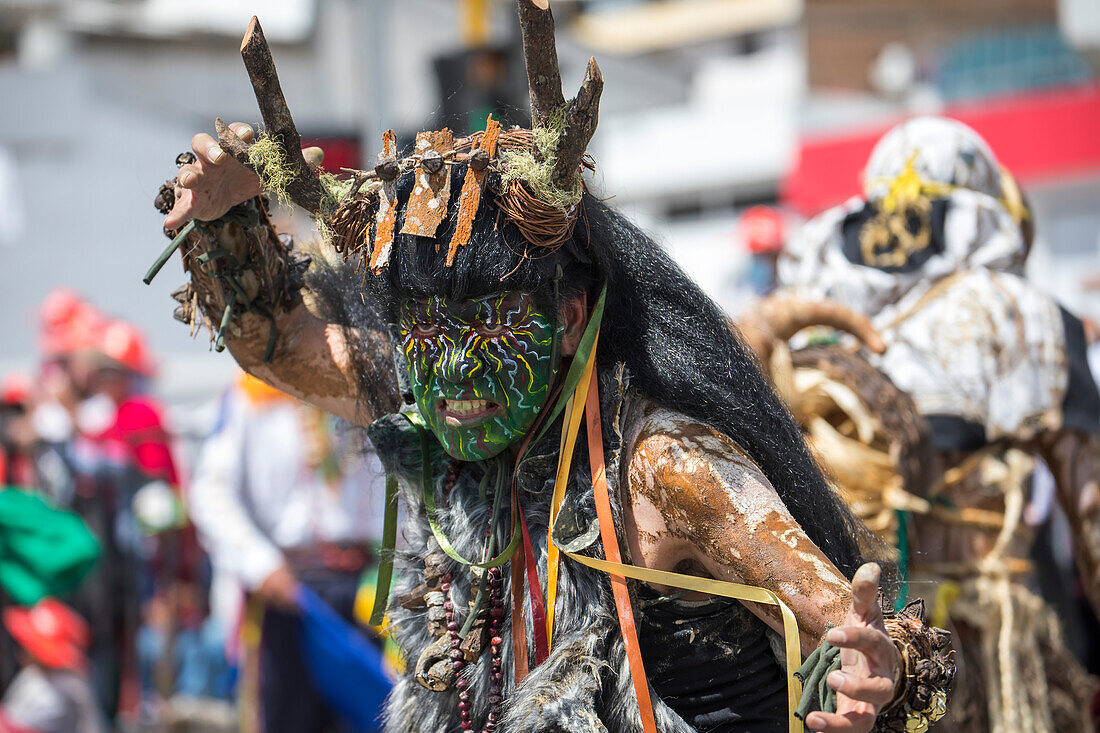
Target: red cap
column 761, row 229
column 51, row 632
column 15, row 389
column 123, row 343
column 69, row 323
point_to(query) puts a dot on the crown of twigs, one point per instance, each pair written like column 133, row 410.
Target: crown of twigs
column 540, row 168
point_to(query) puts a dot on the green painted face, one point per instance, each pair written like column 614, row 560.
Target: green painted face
column 480, row 369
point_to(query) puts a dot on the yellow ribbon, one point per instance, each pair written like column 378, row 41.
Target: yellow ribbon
column 737, row 591
column 575, row 410
column 726, row 589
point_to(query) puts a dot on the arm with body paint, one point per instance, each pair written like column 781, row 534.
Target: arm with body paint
column 697, row 504
column 313, row 360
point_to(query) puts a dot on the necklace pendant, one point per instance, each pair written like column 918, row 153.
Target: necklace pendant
column 434, row 669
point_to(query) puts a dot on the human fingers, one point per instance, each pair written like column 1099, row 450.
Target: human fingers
column 865, row 591
column 189, row 176
column 207, row 148
column 850, row 722
column 181, row 212
column 314, row 156
column 243, row 131
column 877, row 691
column 870, row 642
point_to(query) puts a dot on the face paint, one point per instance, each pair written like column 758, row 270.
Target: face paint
column 480, row 369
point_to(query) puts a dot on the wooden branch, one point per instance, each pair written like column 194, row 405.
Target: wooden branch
column 231, row 143
column 305, row 188
column 536, row 25
column 580, row 126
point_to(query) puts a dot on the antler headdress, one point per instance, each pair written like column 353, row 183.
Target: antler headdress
column 540, row 169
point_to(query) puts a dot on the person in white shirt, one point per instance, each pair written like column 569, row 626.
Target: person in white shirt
column 281, row 498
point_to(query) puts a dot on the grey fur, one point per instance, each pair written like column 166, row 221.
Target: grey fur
column 585, row 684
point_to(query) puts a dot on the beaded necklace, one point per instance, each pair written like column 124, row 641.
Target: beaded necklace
column 491, row 582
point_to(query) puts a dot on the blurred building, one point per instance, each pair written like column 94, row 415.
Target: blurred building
column 710, row 106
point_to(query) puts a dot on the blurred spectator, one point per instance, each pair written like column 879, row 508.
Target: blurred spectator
column 279, row 500
column 16, row 433
column 51, row 693
column 761, row 233
column 100, row 445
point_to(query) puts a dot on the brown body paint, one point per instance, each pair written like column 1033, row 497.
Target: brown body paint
column 313, row 360
column 695, row 500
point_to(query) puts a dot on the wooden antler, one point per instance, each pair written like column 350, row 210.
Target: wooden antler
column 536, row 24
column 304, row 188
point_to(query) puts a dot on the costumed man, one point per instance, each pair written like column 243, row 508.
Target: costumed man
column 281, row 498
column 518, row 306
column 933, row 253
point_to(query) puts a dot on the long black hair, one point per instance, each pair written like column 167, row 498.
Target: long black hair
column 675, row 342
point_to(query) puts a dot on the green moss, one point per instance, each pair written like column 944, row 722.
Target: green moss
column 268, row 158
column 335, row 191
column 269, row 161
column 524, row 166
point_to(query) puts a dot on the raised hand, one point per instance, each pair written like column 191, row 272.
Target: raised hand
column 214, row 183
column 865, row 681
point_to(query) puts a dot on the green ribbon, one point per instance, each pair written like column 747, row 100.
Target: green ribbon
column 433, row 522
column 576, row 369
column 385, row 559
column 903, row 559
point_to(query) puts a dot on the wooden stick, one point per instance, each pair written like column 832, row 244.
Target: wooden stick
column 540, row 52
column 305, row 188
column 580, row 126
column 536, row 24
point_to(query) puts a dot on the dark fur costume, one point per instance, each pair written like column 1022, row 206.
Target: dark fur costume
column 674, row 343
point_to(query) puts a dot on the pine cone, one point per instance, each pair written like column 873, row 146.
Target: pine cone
column 166, row 197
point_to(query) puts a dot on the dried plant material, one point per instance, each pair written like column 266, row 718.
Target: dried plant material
column 567, row 127
column 432, row 187
column 545, row 226
column 470, row 197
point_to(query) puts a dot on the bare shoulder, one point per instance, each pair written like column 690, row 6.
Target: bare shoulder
column 687, row 467
column 663, row 440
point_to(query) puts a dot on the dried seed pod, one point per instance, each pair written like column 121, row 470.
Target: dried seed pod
column 479, row 159
column 432, row 162
column 387, row 169
column 166, row 197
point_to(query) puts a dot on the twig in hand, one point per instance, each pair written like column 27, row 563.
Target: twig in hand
column 304, row 188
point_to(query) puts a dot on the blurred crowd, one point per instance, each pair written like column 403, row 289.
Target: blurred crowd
column 133, row 598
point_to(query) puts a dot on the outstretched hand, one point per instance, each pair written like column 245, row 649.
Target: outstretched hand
column 865, row 681
column 214, row 183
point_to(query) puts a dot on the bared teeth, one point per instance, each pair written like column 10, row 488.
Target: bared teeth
column 467, row 407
